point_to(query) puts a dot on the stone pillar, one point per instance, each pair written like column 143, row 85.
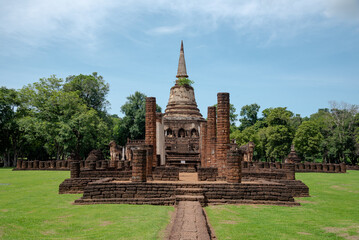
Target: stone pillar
column 36, row 164
column 203, row 143
column 211, row 137
column 139, row 165
column 92, row 165
column 223, row 125
column 105, row 164
column 150, row 137
column 18, row 164
column 75, row 169
column 234, row 166
column 343, row 168
column 24, row 165
column 290, row 170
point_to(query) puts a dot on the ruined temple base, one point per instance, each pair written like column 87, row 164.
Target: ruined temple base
column 112, row 191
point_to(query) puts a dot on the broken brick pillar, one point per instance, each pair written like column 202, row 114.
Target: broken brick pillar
column 18, row 164
column 92, row 165
column 289, row 170
column 150, row 133
column 75, row 169
column 203, row 143
column 211, row 137
column 139, row 165
column 223, row 125
column 234, row 165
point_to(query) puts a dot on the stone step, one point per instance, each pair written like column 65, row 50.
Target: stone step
column 189, row 198
column 189, row 191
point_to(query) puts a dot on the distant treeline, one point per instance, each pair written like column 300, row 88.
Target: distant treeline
column 53, row 118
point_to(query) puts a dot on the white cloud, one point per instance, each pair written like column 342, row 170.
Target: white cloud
column 40, row 22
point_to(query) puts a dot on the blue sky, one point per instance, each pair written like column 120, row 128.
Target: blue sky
column 296, row 54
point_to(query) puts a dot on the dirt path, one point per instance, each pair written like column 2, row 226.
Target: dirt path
column 189, row 222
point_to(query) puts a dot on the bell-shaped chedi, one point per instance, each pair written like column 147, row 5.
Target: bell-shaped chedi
column 292, row 156
column 182, row 103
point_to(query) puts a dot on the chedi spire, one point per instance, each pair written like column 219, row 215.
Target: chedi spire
column 181, row 71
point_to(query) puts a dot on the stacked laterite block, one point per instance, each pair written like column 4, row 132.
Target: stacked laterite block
column 234, row 166
column 139, row 165
column 150, row 138
column 75, row 169
column 203, row 144
column 211, row 137
column 222, row 133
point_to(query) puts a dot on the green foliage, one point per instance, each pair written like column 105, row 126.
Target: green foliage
column 184, row 81
column 249, row 114
column 32, row 209
column 332, row 206
column 61, row 121
column 91, row 88
column 132, row 125
column 308, row 139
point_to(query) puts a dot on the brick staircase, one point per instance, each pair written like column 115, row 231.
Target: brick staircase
column 191, row 161
column 190, row 194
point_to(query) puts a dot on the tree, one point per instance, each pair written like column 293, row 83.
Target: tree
column 249, row 114
column 279, row 133
column 132, row 125
column 91, row 88
column 61, row 119
column 308, row 139
column 9, row 130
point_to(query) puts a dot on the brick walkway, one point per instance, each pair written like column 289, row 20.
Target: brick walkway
column 189, row 222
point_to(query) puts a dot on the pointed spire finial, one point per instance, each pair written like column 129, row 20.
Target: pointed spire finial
column 181, row 71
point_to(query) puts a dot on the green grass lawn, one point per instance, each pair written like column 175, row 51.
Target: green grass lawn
column 332, row 212
column 31, row 208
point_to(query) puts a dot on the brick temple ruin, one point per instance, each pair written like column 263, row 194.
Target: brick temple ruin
column 184, row 157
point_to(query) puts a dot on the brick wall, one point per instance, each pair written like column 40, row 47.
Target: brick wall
column 207, row 174
column 166, row 173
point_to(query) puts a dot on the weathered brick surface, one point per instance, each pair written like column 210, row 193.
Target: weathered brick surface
column 139, row 165
column 150, row 134
column 166, row 173
column 234, row 159
column 107, row 191
column 222, row 133
column 75, row 169
column 203, row 143
column 74, row 185
column 211, row 137
column 207, row 174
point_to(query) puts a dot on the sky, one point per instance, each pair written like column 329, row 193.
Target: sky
column 295, row 54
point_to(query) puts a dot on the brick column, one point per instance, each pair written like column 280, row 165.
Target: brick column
column 222, row 133
column 139, row 165
column 289, row 170
column 211, row 137
column 234, row 166
column 203, row 143
column 75, row 169
column 150, row 137
column 36, row 164
column 18, row 164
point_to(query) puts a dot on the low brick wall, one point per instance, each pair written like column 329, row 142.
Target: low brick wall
column 207, row 174
column 120, row 175
column 320, row 167
column 166, row 173
column 107, row 191
column 352, row 167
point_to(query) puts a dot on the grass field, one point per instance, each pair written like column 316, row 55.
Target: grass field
column 31, row 208
column 332, row 212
